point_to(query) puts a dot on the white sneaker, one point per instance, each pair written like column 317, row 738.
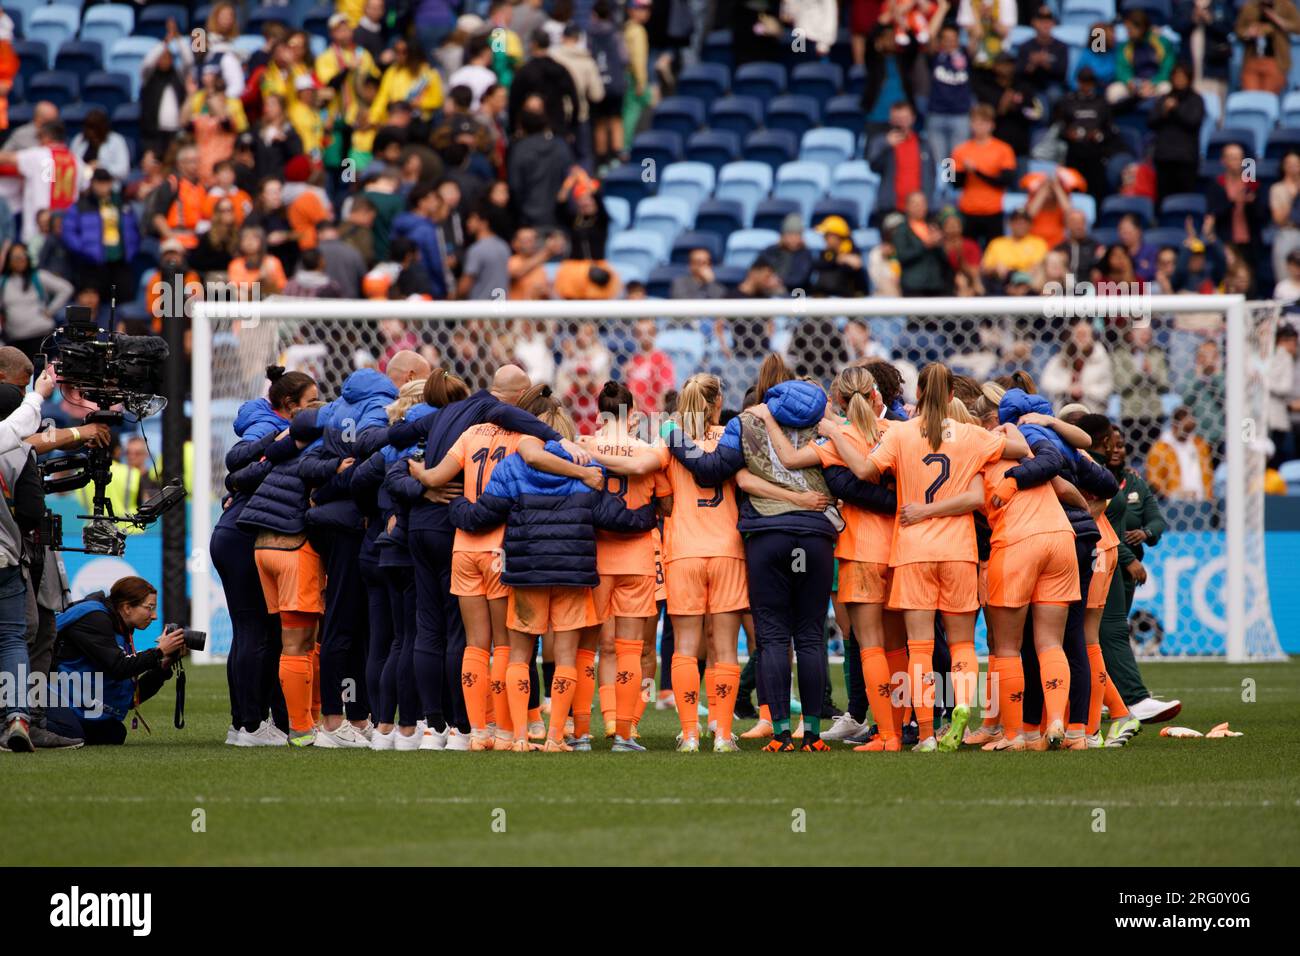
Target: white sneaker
column 266, row 735
column 381, row 741
column 275, row 733
column 408, row 742
column 232, row 735
column 456, row 740
column 366, row 730
column 1153, row 711
column 927, row 746
column 431, row 739
column 845, row 727
column 668, row 702
column 342, row 737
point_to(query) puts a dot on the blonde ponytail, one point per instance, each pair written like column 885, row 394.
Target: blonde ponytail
column 696, row 401
column 410, row 395
column 853, row 387
column 934, row 389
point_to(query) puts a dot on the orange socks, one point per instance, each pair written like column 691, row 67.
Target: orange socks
column 296, row 682
column 586, row 690
column 992, row 696
column 564, row 687
column 500, row 704
column 686, row 688
column 474, row 670
column 921, row 683
column 315, row 684
column 965, row 673
column 626, row 693
column 876, row 676
column 608, row 704
column 518, row 677
column 534, row 715
column 1114, row 702
column 897, row 661
column 1055, row 673
column 1097, row 672
column 710, row 699
column 726, row 682
column 1011, row 695
column 764, row 712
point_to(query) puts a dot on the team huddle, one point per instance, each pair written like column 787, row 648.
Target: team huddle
column 392, row 559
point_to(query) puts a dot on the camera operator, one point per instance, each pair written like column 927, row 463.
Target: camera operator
column 94, row 639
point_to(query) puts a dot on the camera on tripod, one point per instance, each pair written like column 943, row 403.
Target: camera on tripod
column 108, row 369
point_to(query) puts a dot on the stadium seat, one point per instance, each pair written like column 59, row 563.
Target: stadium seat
column 126, row 56
column 717, row 48
column 855, row 182
column 659, row 146
column 1290, row 472
column 1255, row 110
column 685, row 345
column 679, row 114
column 625, row 182
column 152, row 21
column 74, row 116
column 1106, row 235
column 665, row 215
column 1176, row 208
column 1245, row 138
column 690, row 181
column 107, row 23
column 20, row 114
column 866, row 239
column 803, row 182
column 771, row 213
column 688, row 241
column 23, row 8
column 849, row 210
column 1085, row 203
column 844, row 112
column 247, row 44
column 33, row 57
column 80, row 56
column 258, row 18
column 645, row 249
column 53, row 26
column 714, row 147
column 826, row 145
column 1158, row 10
column 719, row 216
column 58, row 86
column 1291, row 110
column 737, row 114
column 1113, row 208
column 1280, row 141
column 1011, row 201
column 821, row 81
column 110, row 89
column 1087, row 12
column 765, row 81
column 316, row 20
column 857, row 79
column 747, row 183
column 1019, row 34
column 798, row 114
column 729, row 276
column 619, row 212
column 704, row 81
column 658, row 284
column 771, row 146
column 744, row 245
column 1163, row 236
column 628, row 270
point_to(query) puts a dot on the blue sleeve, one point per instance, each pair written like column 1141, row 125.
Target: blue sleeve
column 369, row 441
column 318, row 466
column 407, row 433
column 244, row 453
column 1096, row 480
column 865, row 494
column 709, row 468
column 369, row 475
column 514, row 419
column 303, row 428
column 611, row 513
column 286, row 449
column 400, row 484
column 1039, row 470
column 487, row 512
column 248, row 478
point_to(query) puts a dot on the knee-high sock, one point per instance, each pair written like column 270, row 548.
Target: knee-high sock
column 585, row 692
column 1097, row 671
column 1114, row 700
column 993, row 707
column 686, row 689
column 920, row 665
column 897, row 661
column 876, row 677
column 564, row 686
column 710, row 698
column 641, row 701
column 315, row 683
column 474, row 670
column 626, row 693
column 490, row 709
column 608, row 695
column 726, row 682
column 1054, row 671
column 1011, row 695
column 518, row 681
column 965, row 672
column 500, row 702
column 295, row 682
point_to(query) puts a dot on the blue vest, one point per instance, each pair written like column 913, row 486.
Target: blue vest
column 119, row 695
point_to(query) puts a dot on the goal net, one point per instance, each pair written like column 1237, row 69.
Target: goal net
column 1183, row 377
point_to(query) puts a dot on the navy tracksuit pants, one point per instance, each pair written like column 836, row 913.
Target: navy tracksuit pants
column 345, row 633
column 439, row 631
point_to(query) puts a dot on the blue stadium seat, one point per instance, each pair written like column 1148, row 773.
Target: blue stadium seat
column 826, row 145
column 316, row 20
column 620, row 213
column 628, row 269
column 661, row 146
column 58, row 86
column 1290, row 472
column 646, row 249
column 771, row 146
column 729, row 276
column 680, row 114
column 1165, row 236
column 765, row 81
column 1158, row 10
column 1291, row 110
column 1011, row 201
column 719, row 216
column 20, row 114
column 744, row 245
column 152, row 21
column 737, row 114
column 716, row 147
column 247, row 44
column 109, row 89
column 842, row 49
column 258, row 18
column 856, row 81
column 747, row 183
column 1087, row 12
column 866, row 239
column 625, row 182
column 803, row 182
column 1255, row 110
column 1245, row 138
column 798, row 114
column 844, row 112
column 1176, row 208
column 126, row 120
column 74, row 117
column 771, row 213
column 1106, row 235
column 690, row 181
column 664, row 215
column 847, row 209
column 53, row 26
column 19, row 19
column 33, row 57
column 856, row 182
column 821, row 81
column 688, row 241
column 126, row 56
column 704, row 81
column 1281, row 141
column 24, row 8
column 107, row 23
column 1019, row 34
column 659, row 283
column 717, row 48
column 1085, row 203
column 1113, row 208
column 80, row 56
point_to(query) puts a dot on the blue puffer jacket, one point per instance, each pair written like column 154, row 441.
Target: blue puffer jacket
column 256, row 424
column 1017, row 402
column 550, row 520
column 374, row 494
column 279, row 496
column 354, row 425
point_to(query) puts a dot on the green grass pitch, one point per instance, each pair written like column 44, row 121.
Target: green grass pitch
column 1166, row 801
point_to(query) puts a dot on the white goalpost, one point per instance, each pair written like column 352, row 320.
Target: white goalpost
column 1210, row 594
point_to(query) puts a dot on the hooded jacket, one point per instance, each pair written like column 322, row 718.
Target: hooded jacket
column 256, row 425
column 423, row 233
column 378, row 497
column 278, row 495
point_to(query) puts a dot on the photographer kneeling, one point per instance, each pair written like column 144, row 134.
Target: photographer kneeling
column 93, row 648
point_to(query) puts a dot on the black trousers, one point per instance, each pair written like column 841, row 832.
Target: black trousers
column 1075, row 646
column 345, row 632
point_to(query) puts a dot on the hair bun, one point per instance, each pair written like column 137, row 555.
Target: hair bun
column 273, row 372
column 610, row 388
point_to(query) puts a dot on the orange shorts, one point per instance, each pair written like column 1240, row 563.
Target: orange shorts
column 661, row 592
column 477, row 573
column 951, row 586
column 863, row 582
column 291, row 580
column 625, row 595
column 1104, row 564
column 1041, row 569
column 706, row 585
column 538, row 610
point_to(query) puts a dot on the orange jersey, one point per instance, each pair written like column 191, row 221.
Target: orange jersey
column 924, row 475
column 478, row 450
column 867, row 534
column 625, row 553
column 1109, row 539
column 1030, row 511
column 703, row 522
